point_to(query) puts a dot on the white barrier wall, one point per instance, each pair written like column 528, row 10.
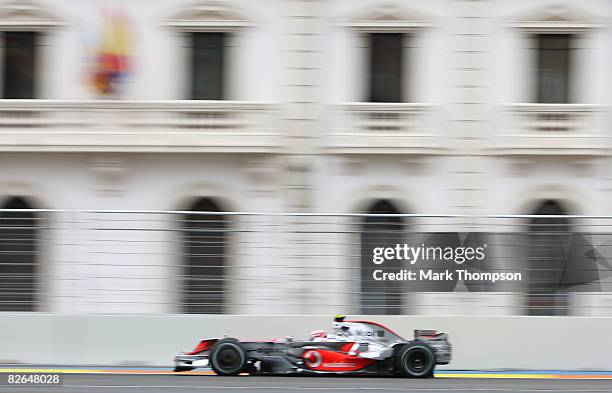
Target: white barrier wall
column 505, row 342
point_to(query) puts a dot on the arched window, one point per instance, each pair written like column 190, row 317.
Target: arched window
column 549, row 239
column 380, row 297
column 204, row 274
column 19, row 281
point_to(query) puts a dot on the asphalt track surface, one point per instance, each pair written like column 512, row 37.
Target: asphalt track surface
column 112, row 383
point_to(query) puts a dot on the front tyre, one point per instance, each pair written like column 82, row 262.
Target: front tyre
column 416, row 360
column 228, row 357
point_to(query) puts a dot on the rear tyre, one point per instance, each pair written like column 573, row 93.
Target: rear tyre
column 416, row 360
column 228, row 357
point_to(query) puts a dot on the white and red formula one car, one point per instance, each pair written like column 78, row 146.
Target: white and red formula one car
column 354, row 347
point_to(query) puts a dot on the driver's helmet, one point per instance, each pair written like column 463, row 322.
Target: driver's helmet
column 317, row 334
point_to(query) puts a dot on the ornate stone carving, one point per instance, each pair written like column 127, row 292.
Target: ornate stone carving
column 555, row 18
column 387, row 16
column 110, row 173
column 212, row 15
column 27, row 15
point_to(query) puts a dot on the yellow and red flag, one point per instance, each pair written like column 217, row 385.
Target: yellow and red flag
column 112, row 60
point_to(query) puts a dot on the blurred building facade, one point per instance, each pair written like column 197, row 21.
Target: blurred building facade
column 439, row 107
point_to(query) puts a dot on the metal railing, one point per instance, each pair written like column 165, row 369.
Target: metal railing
column 161, row 262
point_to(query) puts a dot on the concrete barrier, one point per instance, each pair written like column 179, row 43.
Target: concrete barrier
column 479, row 342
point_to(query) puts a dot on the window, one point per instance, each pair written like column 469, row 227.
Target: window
column 549, row 239
column 207, row 60
column 18, row 257
column 553, row 68
column 204, row 278
column 19, row 64
column 209, row 28
column 386, row 67
column 380, row 297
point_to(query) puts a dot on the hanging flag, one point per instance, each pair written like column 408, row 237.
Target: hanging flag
column 112, row 59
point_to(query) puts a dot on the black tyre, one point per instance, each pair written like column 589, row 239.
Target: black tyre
column 416, row 360
column 228, row 357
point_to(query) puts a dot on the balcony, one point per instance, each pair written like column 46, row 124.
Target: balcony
column 375, row 128
column 138, row 126
column 552, row 129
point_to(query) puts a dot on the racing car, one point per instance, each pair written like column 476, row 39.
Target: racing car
column 354, row 347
